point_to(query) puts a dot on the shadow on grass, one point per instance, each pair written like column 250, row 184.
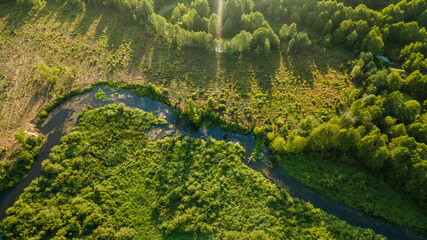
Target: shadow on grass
column 15, row 17
column 161, row 63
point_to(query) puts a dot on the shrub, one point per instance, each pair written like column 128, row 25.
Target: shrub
column 257, row 131
column 278, row 145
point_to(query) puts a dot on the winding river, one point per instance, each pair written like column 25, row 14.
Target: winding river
column 65, row 117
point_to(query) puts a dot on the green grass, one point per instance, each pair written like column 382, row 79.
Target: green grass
column 107, row 181
column 355, row 186
column 88, row 44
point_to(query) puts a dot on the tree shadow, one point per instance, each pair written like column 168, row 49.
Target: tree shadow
column 87, row 21
column 19, row 16
column 301, row 69
column 331, row 58
column 216, row 72
column 67, row 12
column 161, row 63
column 37, row 94
column 15, row 17
column 115, row 32
column 265, row 69
column 209, row 72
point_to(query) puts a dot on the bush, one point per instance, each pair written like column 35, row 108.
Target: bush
column 278, row 145
column 48, row 73
column 12, row 169
column 297, row 145
column 257, row 131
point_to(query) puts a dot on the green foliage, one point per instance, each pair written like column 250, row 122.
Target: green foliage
column 136, row 10
column 393, row 13
column 278, row 144
column 417, row 85
column 297, row 145
column 253, row 21
column 267, row 47
column 422, row 19
column 411, row 110
column 194, row 22
column 190, row 110
column 179, row 11
column 385, row 134
column 233, row 10
column 271, row 136
column 292, row 40
column 202, row 8
column 50, row 74
column 324, row 137
column 365, row 133
column 107, row 181
column 176, row 35
column 257, row 131
column 19, row 162
column 394, row 81
column 405, row 33
column 100, row 94
column 262, row 34
column 240, row 43
column 228, row 28
column 3, row 152
column 373, row 150
column 257, row 154
column 355, row 186
column 381, row 119
column 213, row 27
column 20, row 136
column 287, row 32
column 30, row 3
column 373, row 42
column 418, row 131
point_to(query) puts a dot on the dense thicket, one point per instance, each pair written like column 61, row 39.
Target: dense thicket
column 383, row 123
column 358, row 28
column 106, row 181
column 333, row 176
column 383, row 128
column 197, row 24
column 16, row 165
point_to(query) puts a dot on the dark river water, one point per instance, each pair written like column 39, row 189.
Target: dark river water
column 65, row 117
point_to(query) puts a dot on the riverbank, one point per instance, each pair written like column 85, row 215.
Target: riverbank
column 78, row 46
column 62, row 119
column 208, row 180
column 354, row 186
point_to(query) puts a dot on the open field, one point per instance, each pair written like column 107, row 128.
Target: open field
column 82, row 46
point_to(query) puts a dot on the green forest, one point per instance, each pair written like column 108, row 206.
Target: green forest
column 102, row 186
column 336, row 89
